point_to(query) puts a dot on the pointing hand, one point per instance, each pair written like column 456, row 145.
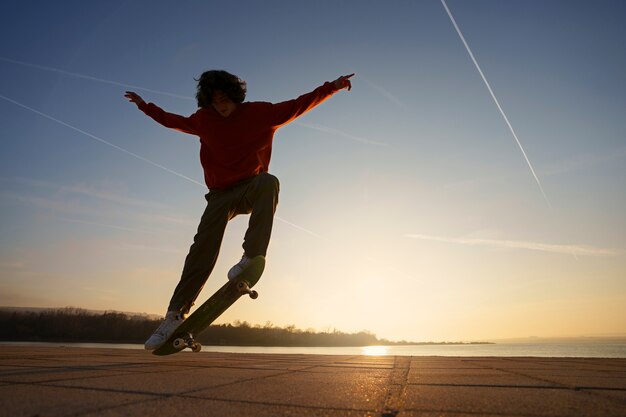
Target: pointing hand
column 343, row 82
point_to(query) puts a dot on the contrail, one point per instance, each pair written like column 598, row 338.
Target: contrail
column 381, row 90
column 338, row 132
column 119, row 148
column 298, row 227
column 319, row 128
column 469, row 51
column 103, row 80
column 91, row 78
column 141, row 158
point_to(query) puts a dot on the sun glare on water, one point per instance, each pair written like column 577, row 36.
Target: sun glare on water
column 374, row 350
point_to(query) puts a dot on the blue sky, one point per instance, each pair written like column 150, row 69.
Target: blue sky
column 406, row 206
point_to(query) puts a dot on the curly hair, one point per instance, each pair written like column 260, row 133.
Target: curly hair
column 218, row 80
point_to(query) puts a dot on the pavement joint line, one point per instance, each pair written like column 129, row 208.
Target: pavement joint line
column 9, row 381
column 125, row 391
column 532, row 377
column 571, row 361
column 597, row 393
column 259, row 378
column 112, row 407
column 114, row 372
column 398, row 380
column 98, row 409
column 543, row 387
column 229, row 401
column 190, row 394
column 474, row 413
column 600, row 388
column 80, row 367
column 592, row 386
column 97, row 389
column 267, row 403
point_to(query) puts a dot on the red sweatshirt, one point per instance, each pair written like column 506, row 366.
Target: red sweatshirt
column 239, row 146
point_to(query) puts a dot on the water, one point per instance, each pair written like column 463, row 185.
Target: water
column 588, row 349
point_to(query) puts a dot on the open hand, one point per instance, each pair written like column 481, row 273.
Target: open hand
column 343, row 82
column 134, row 98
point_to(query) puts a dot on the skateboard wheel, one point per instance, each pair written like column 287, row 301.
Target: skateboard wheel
column 196, row 347
column 254, row 294
column 179, row 343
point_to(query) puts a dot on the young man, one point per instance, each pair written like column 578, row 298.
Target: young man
column 235, row 151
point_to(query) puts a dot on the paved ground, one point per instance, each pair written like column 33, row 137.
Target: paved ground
column 58, row 381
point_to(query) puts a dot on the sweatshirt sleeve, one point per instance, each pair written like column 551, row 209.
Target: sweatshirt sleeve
column 287, row 111
column 171, row 120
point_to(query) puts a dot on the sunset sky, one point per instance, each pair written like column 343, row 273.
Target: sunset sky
column 407, row 206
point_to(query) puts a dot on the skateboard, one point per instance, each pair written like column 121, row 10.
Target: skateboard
column 207, row 313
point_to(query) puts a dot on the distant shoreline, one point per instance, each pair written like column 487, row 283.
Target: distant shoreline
column 132, row 342
column 545, row 350
column 75, row 325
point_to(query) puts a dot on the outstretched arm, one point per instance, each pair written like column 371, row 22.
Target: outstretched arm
column 287, row 111
column 171, row 120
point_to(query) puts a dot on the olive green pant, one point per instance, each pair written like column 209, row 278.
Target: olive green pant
column 257, row 196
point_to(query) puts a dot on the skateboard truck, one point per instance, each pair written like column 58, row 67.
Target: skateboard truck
column 244, row 288
column 184, row 336
column 187, row 341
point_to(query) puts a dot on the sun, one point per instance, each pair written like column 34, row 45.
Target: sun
column 374, row 350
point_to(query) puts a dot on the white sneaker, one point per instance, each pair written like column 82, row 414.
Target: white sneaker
column 173, row 319
column 236, row 270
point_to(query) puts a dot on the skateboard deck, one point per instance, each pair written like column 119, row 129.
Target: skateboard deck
column 211, row 309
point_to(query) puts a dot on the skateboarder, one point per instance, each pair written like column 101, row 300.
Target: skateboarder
column 235, row 150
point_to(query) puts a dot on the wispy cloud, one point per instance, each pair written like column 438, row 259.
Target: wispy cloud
column 104, row 192
column 576, row 250
column 383, row 91
column 69, row 210
column 48, row 204
column 11, row 264
column 586, row 161
column 90, row 204
column 110, row 226
column 337, row 132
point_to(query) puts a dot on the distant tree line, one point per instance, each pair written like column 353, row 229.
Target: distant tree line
column 78, row 325
column 244, row 334
column 74, row 325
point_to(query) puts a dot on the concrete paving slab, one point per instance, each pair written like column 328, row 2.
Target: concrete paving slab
column 347, row 391
column 582, row 381
column 443, row 363
column 216, row 408
column 580, row 378
column 509, row 401
column 27, row 400
column 56, row 374
column 171, row 383
column 479, row 379
column 91, row 382
column 518, row 363
column 616, row 395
